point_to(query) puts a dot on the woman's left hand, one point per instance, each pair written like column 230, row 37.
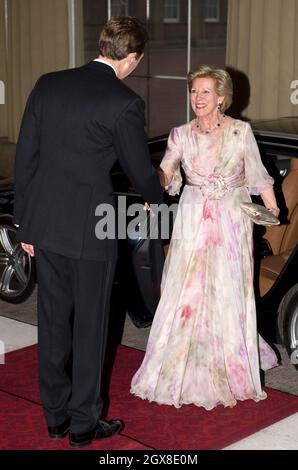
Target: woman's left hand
column 275, row 210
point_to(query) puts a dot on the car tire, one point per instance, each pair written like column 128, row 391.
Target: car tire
column 17, row 271
column 288, row 323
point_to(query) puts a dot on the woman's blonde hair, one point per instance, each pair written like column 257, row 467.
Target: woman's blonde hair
column 223, row 82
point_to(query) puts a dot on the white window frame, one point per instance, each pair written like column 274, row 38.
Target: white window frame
column 214, row 19
column 173, row 19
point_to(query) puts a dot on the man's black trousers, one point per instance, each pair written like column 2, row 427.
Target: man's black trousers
column 73, row 312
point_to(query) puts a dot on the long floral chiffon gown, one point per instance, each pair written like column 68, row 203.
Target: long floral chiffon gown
column 203, row 346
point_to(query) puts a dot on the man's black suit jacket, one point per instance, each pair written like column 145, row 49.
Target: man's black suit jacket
column 76, row 124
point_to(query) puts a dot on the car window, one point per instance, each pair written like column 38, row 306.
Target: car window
column 277, row 159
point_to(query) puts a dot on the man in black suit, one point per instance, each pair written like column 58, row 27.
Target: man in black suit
column 76, row 124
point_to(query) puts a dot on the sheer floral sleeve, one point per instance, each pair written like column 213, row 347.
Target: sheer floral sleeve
column 171, row 162
column 256, row 176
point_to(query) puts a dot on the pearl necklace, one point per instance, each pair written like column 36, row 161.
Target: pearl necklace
column 210, row 129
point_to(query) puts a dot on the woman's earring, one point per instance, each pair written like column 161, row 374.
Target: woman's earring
column 219, row 105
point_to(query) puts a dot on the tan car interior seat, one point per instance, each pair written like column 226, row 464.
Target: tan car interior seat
column 283, row 238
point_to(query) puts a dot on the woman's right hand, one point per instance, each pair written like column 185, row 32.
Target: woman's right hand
column 164, row 179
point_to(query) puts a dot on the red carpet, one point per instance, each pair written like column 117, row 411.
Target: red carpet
column 147, row 425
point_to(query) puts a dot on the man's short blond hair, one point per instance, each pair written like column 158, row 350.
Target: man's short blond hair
column 122, row 35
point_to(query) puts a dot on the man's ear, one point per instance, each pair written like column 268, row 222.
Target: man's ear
column 132, row 57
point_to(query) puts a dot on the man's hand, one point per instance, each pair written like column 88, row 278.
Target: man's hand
column 146, row 207
column 28, row 248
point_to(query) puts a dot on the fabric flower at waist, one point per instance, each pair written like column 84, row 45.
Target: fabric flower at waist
column 215, row 186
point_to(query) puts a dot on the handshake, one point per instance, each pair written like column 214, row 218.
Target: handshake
column 164, row 182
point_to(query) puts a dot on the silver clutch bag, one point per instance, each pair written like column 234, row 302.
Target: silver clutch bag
column 259, row 214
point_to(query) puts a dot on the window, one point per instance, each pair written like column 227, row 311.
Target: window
column 171, row 11
column 119, row 8
column 177, row 43
column 211, row 11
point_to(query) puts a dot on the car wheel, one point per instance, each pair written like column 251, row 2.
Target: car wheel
column 288, row 323
column 17, row 277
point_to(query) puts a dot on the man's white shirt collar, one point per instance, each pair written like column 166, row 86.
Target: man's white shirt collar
column 107, row 63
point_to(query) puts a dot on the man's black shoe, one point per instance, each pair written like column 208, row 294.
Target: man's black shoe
column 58, row 432
column 102, row 430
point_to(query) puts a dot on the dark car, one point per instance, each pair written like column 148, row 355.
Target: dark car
column 16, row 267
column 276, row 254
column 141, row 258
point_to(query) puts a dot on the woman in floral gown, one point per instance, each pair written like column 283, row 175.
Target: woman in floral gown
column 203, row 346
